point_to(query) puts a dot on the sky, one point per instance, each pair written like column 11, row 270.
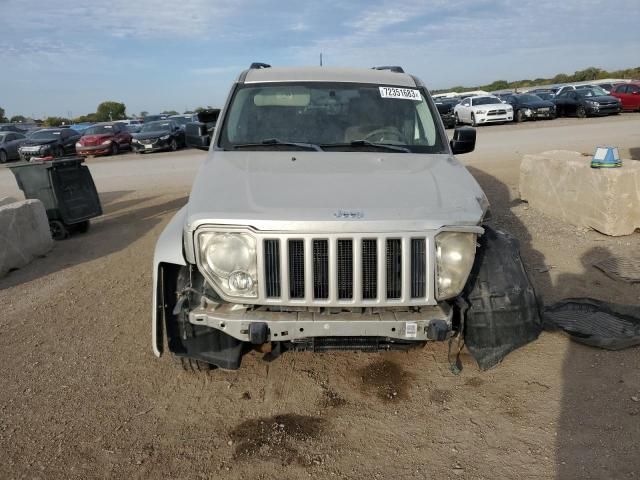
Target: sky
column 62, row 58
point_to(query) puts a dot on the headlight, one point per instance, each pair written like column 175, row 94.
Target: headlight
column 481, row 111
column 44, row 148
column 165, row 137
column 134, row 140
column 455, row 253
column 78, row 145
column 592, row 103
column 229, row 261
column 106, row 142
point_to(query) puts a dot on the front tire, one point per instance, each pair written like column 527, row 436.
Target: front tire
column 457, row 119
column 581, row 112
column 173, row 146
column 519, row 116
column 115, row 149
column 3, row 156
column 473, row 121
column 59, row 152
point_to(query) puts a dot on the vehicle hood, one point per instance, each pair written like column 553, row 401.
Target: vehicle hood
column 92, row 140
column 337, row 191
column 489, row 106
column 148, row 135
column 603, row 99
column 539, row 104
column 32, row 143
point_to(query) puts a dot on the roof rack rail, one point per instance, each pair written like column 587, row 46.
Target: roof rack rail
column 258, row 65
column 391, row 68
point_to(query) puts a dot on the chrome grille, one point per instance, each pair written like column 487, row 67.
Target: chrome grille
column 345, row 269
column 272, row 268
column 320, row 269
column 394, row 268
column 369, row 269
column 418, row 267
column 334, row 270
column 296, row 268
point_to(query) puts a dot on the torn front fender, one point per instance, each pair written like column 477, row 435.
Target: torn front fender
column 168, row 253
column 499, row 307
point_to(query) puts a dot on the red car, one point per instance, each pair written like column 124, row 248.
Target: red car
column 103, row 139
column 629, row 95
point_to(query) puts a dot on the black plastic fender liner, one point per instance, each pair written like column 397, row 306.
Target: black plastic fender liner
column 596, row 323
column 182, row 287
column 499, row 308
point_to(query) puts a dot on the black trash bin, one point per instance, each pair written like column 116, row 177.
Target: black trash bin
column 66, row 189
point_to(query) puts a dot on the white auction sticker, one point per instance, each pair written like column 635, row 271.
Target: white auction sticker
column 401, row 93
column 410, row 330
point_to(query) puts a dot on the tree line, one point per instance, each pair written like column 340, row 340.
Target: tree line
column 107, row 111
column 586, row 75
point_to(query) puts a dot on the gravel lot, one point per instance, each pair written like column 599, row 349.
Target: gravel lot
column 82, row 396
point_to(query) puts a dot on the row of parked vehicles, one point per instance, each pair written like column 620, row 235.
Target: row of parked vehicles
column 156, row 133
column 548, row 103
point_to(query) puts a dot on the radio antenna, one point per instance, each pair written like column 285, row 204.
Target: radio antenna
column 320, row 58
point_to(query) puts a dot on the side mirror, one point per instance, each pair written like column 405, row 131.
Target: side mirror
column 464, row 140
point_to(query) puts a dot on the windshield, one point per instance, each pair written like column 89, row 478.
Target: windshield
column 528, row 98
column 156, row 127
column 545, row 95
column 45, row 135
column 336, row 116
column 485, row 101
column 591, row 92
column 99, row 130
column 3, row 136
column 181, row 120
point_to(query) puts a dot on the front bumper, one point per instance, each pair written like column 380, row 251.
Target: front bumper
column 150, row 147
column 291, row 326
column 484, row 118
column 95, row 150
column 603, row 109
column 535, row 113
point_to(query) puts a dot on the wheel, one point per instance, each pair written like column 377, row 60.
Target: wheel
column 173, row 145
column 115, row 149
column 58, row 230
column 192, row 365
column 581, row 112
column 519, row 116
column 473, row 120
column 3, row 156
column 82, row 227
column 59, row 152
column 457, row 119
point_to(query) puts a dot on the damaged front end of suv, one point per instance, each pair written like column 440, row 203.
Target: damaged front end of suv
column 331, row 214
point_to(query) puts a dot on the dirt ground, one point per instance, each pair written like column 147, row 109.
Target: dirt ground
column 82, row 396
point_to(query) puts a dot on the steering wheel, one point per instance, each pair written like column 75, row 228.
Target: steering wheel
column 385, row 135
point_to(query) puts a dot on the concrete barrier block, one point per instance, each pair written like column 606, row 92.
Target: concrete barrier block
column 24, row 234
column 563, row 185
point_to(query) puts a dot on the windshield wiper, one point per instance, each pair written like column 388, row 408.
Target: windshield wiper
column 274, row 141
column 366, row 143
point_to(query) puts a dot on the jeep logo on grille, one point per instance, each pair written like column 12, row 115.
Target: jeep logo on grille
column 357, row 214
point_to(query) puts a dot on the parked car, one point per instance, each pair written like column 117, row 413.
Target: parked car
column 445, row 108
column 628, row 94
column 482, row 109
column 154, row 118
column 160, row 135
column 49, row 143
column 333, row 215
column 9, row 144
column 530, row 107
column 182, row 120
column 586, row 102
column 104, row 138
column 11, row 127
column 198, row 134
